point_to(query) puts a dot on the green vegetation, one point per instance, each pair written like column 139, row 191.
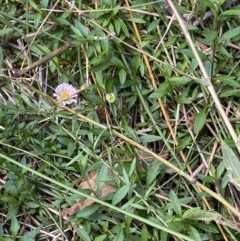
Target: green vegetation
column 148, row 148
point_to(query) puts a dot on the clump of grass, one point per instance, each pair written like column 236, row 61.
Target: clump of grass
column 148, row 149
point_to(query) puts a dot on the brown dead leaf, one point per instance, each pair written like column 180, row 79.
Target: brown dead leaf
column 101, row 112
column 190, row 121
column 203, row 48
column 70, row 211
column 91, row 183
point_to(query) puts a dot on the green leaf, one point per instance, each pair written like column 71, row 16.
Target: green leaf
column 144, row 233
column 206, row 216
column 120, row 194
column 190, row 212
column 40, row 49
column 117, row 62
column 15, row 226
column 71, row 147
column 162, row 90
column 180, row 80
column 119, row 236
column 137, row 20
column 100, row 238
column 99, row 79
column 30, row 236
column 232, row 163
column 105, row 46
column 117, row 26
column 83, row 234
column 122, row 76
column 99, row 67
column 95, row 99
column 149, row 138
column 231, row 33
column 224, row 51
column 191, row 27
column 129, row 131
column 53, row 65
column 231, row 12
column 87, row 211
column 143, row 44
column 176, row 205
column 76, row 31
column 77, row 158
column 62, row 21
column 13, row 211
column 153, row 25
column 220, row 169
column 229, row 80
column 133, row 166
column 34, row 5
column 8, row 239
column 5, row 31
column 124, row 27
column 209, row 3
column 44, row 3
column 8, row 199
column 233, row 92
column 194, row 233
column 37, row 19
column 211, row 35
column 182, row 99
column 32, row 204
column 199, row 122
column 153, row 171
column 81, row 28
column 131, row 101
column 125, row 177
column 102, row 174
column 26, row 239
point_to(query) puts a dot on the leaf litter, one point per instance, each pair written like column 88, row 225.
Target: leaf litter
column 90, row 183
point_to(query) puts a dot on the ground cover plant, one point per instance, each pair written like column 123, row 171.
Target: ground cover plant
column 119, row 120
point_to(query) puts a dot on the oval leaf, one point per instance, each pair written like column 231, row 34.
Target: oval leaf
column 232, row 165
column 175, row 203
column 144, row 233
column 87, row 211
column 153, row 171
column 93, row 98
column 149, row 138
column 83, row 234
column 120, row 194
column 162, row 90
column 199, row 121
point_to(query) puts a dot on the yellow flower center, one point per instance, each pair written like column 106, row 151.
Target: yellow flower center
column 110, row 97
column 65, row 95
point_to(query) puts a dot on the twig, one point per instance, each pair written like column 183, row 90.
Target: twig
column 43, row 60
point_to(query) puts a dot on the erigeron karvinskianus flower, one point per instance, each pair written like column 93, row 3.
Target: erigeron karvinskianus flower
column 66, row 94
column 110, row 97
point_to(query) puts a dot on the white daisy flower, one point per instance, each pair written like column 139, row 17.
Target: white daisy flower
column 66, row 94
column 110, row 97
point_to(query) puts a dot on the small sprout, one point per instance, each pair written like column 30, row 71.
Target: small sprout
column 66, row 94
column 110, row 97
